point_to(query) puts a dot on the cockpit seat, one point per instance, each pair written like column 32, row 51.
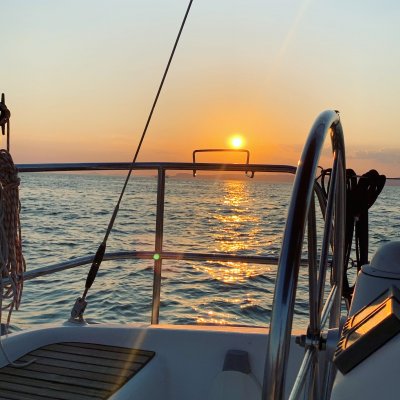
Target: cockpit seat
column 235, row 381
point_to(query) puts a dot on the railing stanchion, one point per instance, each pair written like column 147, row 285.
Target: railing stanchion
column 155, row 311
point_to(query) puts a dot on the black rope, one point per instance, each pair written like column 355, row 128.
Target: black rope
column 98, row 258
column 351, row 184
column 361, row 193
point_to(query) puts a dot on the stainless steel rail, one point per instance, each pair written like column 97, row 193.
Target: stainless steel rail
column 247, row 152
column 161, row 169
column 124, row 166
column 147, row 255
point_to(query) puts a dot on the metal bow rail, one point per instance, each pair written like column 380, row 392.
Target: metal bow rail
column 160, row 169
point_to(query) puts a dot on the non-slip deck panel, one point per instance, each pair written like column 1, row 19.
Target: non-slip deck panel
column 72, row 371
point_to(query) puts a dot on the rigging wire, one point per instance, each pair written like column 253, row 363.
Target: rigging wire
column 80, row 304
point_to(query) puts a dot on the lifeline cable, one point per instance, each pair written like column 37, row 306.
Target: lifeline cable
column 80, row 304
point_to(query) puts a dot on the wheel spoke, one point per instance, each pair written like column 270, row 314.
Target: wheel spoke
column 329, row 375
column 338, row 245
column 311, row 389
column 302, row 374
column 312, row 268
column 326, row 240
column 328, row 306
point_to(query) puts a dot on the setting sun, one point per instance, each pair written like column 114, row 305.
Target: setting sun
column 236, row 141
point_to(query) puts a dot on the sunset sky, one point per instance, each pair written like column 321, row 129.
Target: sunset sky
column 80, row 78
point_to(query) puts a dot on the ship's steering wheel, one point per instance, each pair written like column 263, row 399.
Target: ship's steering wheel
column 330, row 253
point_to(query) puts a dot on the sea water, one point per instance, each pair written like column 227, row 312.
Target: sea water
column 64, row 216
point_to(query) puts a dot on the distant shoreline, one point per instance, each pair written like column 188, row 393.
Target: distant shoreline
column 260, row 176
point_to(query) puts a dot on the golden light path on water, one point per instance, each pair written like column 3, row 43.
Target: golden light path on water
column 239, row 229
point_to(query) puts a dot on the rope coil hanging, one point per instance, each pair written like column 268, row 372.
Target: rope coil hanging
column 12, row 263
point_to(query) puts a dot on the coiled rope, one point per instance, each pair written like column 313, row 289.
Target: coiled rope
column 12, row 263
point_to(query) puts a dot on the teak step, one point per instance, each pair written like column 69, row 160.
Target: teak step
column 72, row 371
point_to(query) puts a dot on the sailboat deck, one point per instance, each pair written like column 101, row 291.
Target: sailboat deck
column 72, row 371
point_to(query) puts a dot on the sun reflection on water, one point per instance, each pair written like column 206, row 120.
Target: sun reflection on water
column 238, row 227
column 222, row 316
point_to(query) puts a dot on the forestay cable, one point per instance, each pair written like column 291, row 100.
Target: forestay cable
column 80, row 304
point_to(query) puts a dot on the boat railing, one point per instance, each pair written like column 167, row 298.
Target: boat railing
column 245, row 151
column 158, row 255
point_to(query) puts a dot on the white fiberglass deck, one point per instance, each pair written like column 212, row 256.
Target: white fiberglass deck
column 186, row 361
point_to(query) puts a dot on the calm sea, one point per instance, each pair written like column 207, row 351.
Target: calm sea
column 65, row 216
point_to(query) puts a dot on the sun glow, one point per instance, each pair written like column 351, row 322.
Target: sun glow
column 236, row 141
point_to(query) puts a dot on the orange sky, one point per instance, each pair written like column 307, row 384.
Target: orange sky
column 80, row 77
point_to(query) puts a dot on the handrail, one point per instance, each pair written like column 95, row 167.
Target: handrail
column 289, row 260
column 161, row 169
column 222, row 151
column 124, row 166
column 147, row 255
